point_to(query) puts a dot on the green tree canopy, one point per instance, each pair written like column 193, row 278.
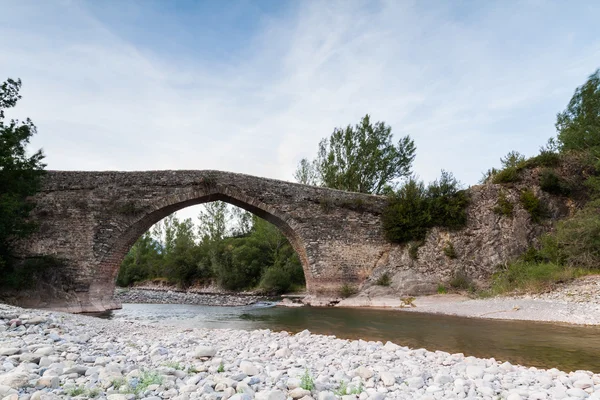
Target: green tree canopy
column 20, row 172
column 578, row 125
column 362, row 159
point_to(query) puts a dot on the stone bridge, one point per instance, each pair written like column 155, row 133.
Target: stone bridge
column 91, row 219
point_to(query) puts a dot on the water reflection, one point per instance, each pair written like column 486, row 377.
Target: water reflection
column 528, row 343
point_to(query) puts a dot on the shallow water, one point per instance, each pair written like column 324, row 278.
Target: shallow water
column 536, row 344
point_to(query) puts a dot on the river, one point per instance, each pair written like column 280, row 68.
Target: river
column 543, row 345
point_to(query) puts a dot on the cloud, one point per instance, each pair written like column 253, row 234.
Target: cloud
column 468, row 82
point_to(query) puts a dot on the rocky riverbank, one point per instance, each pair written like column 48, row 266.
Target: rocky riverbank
column 170, row 296
column 52, row 355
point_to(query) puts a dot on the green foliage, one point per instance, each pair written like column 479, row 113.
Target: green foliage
column 503, row 205
column 250, row 255
column 513, row 159
column 118, row 383
column 507, row 175
column 20, row 176
column 24, row 274
column 413, row 209
column 449, row 250
column 344, row 390
column 306, row 381
column 362, row 159
column 384, row 280
column 276, row 281
column 413, row 249
column 75, row 391
column 441, row 289
column 221, row 367
column 347, row 290
column 175, row 365
column 550, row 182
column 578, row 126
column 546, row 158
column 530, row 276
column 461, row 281
column 306, row 172
column 532, row 204
column 140, row 385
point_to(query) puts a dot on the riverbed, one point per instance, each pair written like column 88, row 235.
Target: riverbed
column 543, row 345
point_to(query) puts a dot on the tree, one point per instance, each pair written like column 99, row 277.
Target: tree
column 306, row 173
column 20, row 174
column 579, row 125
column 362, row 158
column 213, row 221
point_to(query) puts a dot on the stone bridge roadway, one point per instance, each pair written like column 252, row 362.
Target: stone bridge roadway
column 91, row 220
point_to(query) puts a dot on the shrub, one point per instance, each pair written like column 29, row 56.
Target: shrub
column 513, row 159
column 532, row 204
column 461, row 281
column 546, row 158
column 449, row 250
column 441, row 289
column 221, row 367
column 503, row 205
column 347, row 290
column 414, row 209
column 413, row 249
column 406, row 217
column 384, row 280
column 507, row 175
column 552, row 183
column 276, row 280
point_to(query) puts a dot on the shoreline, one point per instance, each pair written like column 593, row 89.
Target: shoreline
column 574, row 303
column 53, row 355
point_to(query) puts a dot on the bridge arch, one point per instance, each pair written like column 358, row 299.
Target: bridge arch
column 119, row 247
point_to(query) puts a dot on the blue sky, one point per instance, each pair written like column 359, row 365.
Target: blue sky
column 252, row 86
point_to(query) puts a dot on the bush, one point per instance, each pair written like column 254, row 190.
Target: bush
column 503, row 205
column 546, row 158
column 347, row 290
column 384, row 280
column 532, row 204
column 461, row 281
column 553, row 184
column 507, row 175
column 414, row 209
column 441, row 289
column 413, row 249
column 276, row 280
column 449, row 250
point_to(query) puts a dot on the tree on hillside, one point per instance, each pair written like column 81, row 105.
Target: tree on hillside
column 362, row 158
column 578, row 125
column 306, row 173
column 20, row 173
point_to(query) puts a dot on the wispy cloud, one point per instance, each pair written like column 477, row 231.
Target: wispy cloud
column 468, row 84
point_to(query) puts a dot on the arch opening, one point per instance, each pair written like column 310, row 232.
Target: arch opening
column 280, row 259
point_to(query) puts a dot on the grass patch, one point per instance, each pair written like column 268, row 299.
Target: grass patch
column 532, row 204
column 344, row 390
column 347, row 290
column 384, row 280
column 441, row 289
column 532, row 277
column 175, row 365
column 306, row 381
column 503, row 205
column 139, row 385
column 449, row 250
column 221, row 367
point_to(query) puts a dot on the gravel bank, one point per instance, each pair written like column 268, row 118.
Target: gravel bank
column 51, row 355
column 167, row 296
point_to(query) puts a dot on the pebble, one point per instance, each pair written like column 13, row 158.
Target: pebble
column 59, row 355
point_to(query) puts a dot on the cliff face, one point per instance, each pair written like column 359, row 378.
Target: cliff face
column 476, row 251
